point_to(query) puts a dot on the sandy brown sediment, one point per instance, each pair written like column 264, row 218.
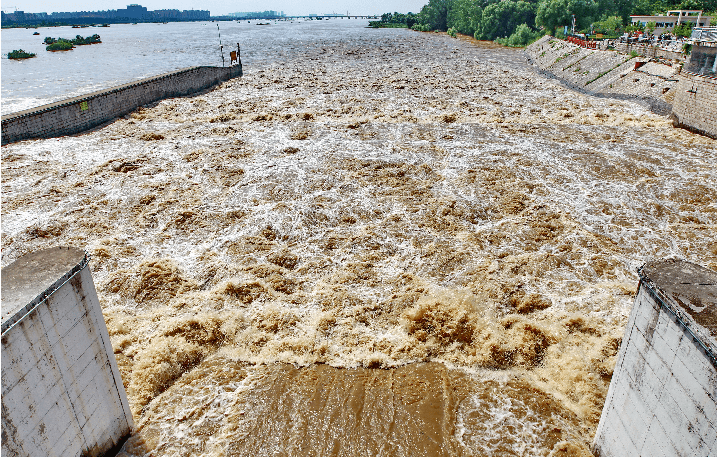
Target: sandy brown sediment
column 375, row 203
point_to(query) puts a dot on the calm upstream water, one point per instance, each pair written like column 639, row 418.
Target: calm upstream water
column 376, row 242
column 134, row 51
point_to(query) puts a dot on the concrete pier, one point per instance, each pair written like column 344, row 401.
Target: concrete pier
column 61, row 390
column 662, row 399
column 79, row 114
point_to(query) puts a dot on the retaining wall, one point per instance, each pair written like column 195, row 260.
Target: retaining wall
column 662, row 399
column 79, row 114
column 62, row 394
column 648, row 51
column 606, row 73
column 695, row 104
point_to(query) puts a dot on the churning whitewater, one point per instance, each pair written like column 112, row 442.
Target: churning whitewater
column 385, row 243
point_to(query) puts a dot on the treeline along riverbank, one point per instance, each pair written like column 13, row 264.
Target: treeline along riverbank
column 519, row 22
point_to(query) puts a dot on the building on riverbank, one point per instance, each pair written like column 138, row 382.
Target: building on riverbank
column 133, row 13
column 703, row 58
column 672, row 19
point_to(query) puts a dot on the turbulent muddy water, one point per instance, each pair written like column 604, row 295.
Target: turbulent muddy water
column 385, row 243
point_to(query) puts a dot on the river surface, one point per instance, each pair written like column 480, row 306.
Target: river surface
column 133, row 51
column 381, row 242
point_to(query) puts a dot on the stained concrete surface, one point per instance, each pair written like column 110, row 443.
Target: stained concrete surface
column 690, row 285
column 30, row 276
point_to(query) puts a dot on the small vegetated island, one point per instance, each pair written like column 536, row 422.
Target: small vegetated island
column 394, row 21
column 19, row 54
column 65, row 44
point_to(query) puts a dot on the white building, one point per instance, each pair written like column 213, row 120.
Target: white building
column 672, row 19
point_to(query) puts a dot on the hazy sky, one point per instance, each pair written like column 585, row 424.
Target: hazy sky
column 218, row 7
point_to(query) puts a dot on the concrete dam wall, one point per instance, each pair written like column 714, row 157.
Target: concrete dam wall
column 689, row 98
column 76, row 115
column 607, row 73
column 662, row 399
column 695, row 104
column 62, row 394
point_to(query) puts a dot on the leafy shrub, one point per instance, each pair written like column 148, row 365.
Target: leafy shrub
column 452, row 32
column 522, row 36
column 421, row 27
column 683, row 30
column 609, row 25
column 60, row 45
column 79, row 41
column 64, row 44
column 650, row 27
column 20, row 54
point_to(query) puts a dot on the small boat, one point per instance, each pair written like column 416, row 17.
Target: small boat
column 262, row 23
column 36, row 33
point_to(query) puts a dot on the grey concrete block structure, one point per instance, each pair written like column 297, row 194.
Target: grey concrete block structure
column 695, row 105
column 79, row 114
column 62, row 394
column 662, row 399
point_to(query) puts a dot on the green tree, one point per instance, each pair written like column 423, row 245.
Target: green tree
column 704, row 5
column 435, row 14
column 523, row 36
column 465, row 16
column 650, row 7
column 650, row 27
column 609, row 25
column 620, row 8
column 683, row 30
column 501, row 19
column 552, row 14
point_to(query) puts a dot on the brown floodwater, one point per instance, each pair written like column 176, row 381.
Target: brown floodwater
column 384, row 244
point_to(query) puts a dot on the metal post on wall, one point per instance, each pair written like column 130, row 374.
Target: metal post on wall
column 221, row 48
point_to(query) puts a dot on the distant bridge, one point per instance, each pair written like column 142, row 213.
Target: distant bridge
column 318, row 17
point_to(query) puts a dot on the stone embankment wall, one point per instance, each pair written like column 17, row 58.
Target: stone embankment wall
column 78, row 114
column 662, row 399
column 62, row 394
column 648, row 51
column 607, row 73
column 695, row 104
